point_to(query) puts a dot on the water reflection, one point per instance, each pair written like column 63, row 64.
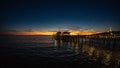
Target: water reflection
column 92, row 52
column 41, row 49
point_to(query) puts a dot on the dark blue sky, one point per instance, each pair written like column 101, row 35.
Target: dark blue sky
column 49, row 15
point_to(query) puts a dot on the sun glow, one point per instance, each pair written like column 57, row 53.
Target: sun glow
column 83, row 33
column 47, row 33
column 29, row 33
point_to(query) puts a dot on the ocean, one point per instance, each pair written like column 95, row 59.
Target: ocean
column 43, row 51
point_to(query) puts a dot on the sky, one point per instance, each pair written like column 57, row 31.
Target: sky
column 51, row 15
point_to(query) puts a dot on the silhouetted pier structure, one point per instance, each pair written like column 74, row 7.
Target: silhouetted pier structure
column 105, row 47
column 104, row 40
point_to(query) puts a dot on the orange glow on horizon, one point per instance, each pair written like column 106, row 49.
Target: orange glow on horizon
column 48, row 33
column 83, row 33
column 29, row 33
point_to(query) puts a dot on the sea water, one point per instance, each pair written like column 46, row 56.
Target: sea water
column 43, row 49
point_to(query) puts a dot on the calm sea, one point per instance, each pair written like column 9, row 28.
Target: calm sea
column 42, row 50
column 27, row 46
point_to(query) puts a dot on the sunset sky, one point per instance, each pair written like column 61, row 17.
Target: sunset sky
column 47, row 16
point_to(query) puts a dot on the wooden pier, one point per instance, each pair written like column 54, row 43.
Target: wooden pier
column 104, row 47
column 98, row 40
